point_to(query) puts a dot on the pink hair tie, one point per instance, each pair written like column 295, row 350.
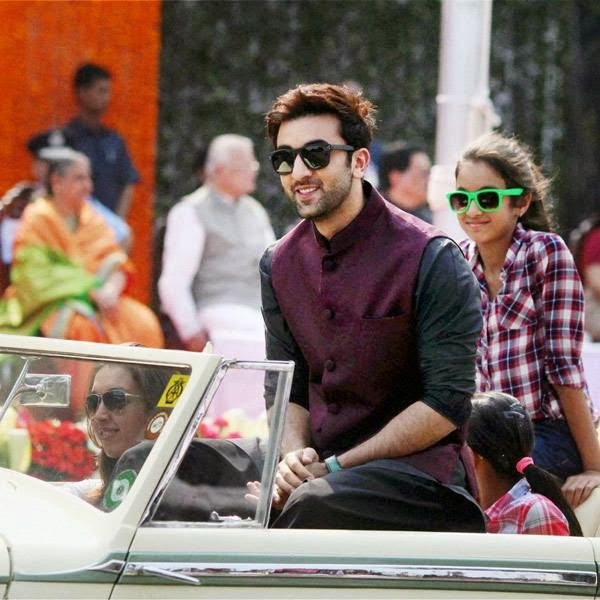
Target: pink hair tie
column 523, row 464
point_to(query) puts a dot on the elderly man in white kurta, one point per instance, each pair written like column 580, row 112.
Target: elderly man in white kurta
column 214, row 239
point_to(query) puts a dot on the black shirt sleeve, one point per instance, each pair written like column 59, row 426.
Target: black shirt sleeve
column 447, row 306
column 280, row 343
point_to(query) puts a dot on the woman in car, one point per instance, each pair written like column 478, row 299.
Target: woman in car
column 125, row 416
column 122, row 411
column 532, row 302
column 69, row 273
column 516, row 494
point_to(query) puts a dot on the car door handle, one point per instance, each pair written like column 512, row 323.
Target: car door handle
column 137, row 569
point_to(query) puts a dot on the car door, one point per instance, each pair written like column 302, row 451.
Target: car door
column 228, row 557
column 54, row 543
column 193, row 561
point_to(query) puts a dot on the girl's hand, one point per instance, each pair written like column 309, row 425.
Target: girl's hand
column 578, row 488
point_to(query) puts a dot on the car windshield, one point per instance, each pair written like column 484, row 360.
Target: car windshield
column 87, row 427
column 67, row 421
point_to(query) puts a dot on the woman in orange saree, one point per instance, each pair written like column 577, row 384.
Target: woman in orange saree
column 69, row 273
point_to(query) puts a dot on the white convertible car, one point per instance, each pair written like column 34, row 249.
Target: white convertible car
column 175, row 520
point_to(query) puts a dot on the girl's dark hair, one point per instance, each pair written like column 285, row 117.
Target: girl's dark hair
column 514, row 162
column 501, row 431
column 151, row 382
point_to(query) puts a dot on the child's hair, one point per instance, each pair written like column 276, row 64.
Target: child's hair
column 501, row 431
column 514, row 162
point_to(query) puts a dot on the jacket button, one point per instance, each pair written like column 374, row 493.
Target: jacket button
column 330, row 364
column 328, row 314
column 329, row 263
column 333, row 409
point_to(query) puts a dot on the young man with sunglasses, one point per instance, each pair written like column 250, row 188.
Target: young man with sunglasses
column 381, row 314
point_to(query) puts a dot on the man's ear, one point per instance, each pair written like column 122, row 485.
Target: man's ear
column 360, row 161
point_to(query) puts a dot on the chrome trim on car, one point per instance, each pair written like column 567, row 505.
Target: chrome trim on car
column 134, row 569
column 104, row 572
column 110, row 566
column 386, row 572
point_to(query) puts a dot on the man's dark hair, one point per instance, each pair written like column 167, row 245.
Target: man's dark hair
column 89, row 73
column 356, row 114
column 395, row 158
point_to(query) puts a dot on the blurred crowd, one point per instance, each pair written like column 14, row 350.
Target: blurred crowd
column 206, row 250
column 66, row 273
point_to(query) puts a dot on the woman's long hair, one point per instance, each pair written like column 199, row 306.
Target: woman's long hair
column 501, row 431
column 514, row 162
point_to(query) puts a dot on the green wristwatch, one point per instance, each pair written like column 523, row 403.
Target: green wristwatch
column 333, row 464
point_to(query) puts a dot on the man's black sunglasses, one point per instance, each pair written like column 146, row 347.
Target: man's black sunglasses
column 315, row 155
column 115, row 399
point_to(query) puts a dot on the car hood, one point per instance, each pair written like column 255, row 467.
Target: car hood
column 45, row 528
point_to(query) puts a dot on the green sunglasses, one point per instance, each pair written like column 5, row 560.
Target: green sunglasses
column 487, row 200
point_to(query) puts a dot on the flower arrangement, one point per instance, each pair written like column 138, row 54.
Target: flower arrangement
column 233, row 424
column 59, row 451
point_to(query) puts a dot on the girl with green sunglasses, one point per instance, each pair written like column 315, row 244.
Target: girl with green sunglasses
column 532, row 303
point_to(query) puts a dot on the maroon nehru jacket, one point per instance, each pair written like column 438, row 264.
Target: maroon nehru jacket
column 348, row 304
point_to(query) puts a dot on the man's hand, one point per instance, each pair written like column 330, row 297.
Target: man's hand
column 577, row 488
column 318, row 469
column 292, row 471
column 197, row 342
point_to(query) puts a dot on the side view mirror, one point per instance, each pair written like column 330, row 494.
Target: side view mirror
column 44, row 390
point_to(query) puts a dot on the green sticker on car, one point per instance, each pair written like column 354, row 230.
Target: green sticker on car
column 119, row 488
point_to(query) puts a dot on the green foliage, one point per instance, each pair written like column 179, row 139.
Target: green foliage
column 224, row 62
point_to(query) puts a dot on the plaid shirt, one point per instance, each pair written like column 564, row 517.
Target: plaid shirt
column 533, row 329
column 522, row 511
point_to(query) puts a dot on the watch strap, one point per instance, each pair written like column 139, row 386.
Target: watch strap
column 333, row 464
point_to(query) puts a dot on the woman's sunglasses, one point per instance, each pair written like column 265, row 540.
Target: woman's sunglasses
column 114, row 400
column 315, row 155
column 487, row 200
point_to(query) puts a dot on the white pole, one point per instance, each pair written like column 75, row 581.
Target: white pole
column 464, row 110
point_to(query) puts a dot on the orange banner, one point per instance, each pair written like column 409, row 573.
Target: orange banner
column 41, row 44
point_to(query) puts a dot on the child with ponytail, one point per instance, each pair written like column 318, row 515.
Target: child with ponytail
column 516, row 495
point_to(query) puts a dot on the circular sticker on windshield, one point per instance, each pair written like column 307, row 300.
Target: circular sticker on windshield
column 154, row 427
column 119, row 488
